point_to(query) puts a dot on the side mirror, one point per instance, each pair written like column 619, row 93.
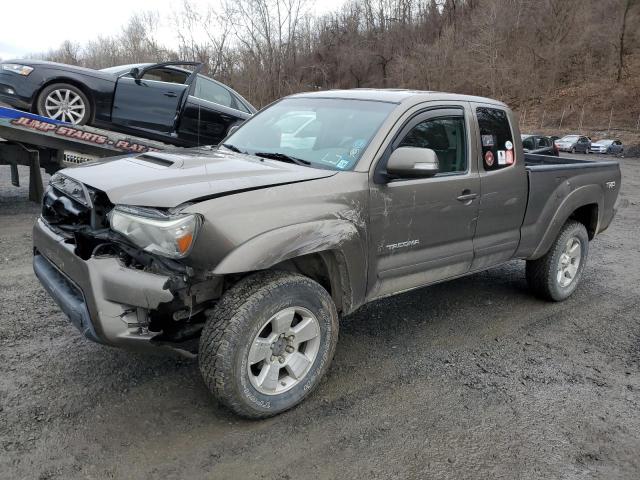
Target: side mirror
column 135, row 72
column 413, row 162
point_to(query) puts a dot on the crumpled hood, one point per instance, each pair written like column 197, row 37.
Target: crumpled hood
column 167, row 180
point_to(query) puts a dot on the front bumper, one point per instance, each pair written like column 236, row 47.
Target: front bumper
column 108, row 302
column 16, row 90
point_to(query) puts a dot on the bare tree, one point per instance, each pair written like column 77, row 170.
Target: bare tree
column 626, row 7
column 522, row 51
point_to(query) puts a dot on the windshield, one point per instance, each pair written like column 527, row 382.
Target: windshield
column 605, row 142
column 569, row 138
column 325, row 133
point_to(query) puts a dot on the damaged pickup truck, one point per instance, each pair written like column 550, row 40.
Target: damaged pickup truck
column 249, row 254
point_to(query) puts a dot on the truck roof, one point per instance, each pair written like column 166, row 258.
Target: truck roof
column 394, row 95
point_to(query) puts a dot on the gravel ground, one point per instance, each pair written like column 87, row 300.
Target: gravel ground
column 470, row 379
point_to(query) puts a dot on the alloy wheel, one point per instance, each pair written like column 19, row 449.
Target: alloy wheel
column 65, row 105
column 283, row 351
column 569, row 262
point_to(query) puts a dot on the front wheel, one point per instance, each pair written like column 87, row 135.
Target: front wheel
column 268, row 342
column 64, row 102
column 555, row 276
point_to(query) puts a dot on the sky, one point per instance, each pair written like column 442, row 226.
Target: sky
column 40, row 25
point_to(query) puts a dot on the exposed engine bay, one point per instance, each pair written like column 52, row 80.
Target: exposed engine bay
column 80, row 214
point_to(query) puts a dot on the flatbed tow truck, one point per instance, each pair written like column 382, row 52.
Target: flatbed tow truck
column 40, row 142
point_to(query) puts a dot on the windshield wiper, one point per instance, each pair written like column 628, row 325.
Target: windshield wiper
column 233, row 148
column 283, row 158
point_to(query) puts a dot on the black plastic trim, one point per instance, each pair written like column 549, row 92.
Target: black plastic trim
column 67, row 295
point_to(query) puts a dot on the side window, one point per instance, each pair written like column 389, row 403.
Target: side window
column 212, row 92
column 165, row 75
column 497, row 140
column 239, row 105
column 445, row 136
column 544, row 142
column 528, row 143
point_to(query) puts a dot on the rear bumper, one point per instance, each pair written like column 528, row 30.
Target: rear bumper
column 108, row 302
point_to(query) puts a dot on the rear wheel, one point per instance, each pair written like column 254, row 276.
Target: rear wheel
column 64, row 102
column 268, row 342
column 555, row 276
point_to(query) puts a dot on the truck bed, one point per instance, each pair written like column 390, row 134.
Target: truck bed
column 556, row 182
column 546, row 162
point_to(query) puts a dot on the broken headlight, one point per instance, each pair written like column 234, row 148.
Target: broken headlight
column 155, row 231
column 71, row 187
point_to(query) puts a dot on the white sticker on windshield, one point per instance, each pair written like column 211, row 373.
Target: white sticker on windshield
column 342, row 164
column 502, row 157
column 508, row 145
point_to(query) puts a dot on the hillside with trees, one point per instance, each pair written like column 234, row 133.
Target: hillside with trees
column 562, row 64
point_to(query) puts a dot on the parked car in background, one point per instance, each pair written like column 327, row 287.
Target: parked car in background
column 613, row 147
column 163, row 101
column 574, row 144
column 539, row 144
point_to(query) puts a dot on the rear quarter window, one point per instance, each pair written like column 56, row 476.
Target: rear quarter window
column 496, row 138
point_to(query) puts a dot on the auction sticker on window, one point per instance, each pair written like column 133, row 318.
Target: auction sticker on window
column 509, row 157
column 508, row 145
column 489, row 159
column 502, row 157
column 487, row 141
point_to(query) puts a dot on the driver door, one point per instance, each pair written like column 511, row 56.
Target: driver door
column 153, row 99
column 422, row 228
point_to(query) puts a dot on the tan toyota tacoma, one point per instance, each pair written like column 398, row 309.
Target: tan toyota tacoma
column 247, row 255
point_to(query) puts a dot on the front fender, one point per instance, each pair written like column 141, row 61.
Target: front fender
column 271, row 248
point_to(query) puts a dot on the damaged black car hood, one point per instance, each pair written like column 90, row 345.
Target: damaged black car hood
column 166, row 180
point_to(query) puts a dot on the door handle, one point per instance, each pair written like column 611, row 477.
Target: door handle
column 467, row 196
column 170, row 94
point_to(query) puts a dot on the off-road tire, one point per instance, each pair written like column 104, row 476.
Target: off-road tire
column 42, row 96
column 232, row 325
column 542, row 273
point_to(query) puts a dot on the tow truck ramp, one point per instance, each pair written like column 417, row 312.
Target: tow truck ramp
column 40, row 142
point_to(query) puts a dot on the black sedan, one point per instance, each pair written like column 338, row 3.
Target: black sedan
column 540, row 145
column 170, row 102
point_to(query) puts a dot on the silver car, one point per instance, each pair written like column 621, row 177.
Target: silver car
column 613, row 147
column 574, row 144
